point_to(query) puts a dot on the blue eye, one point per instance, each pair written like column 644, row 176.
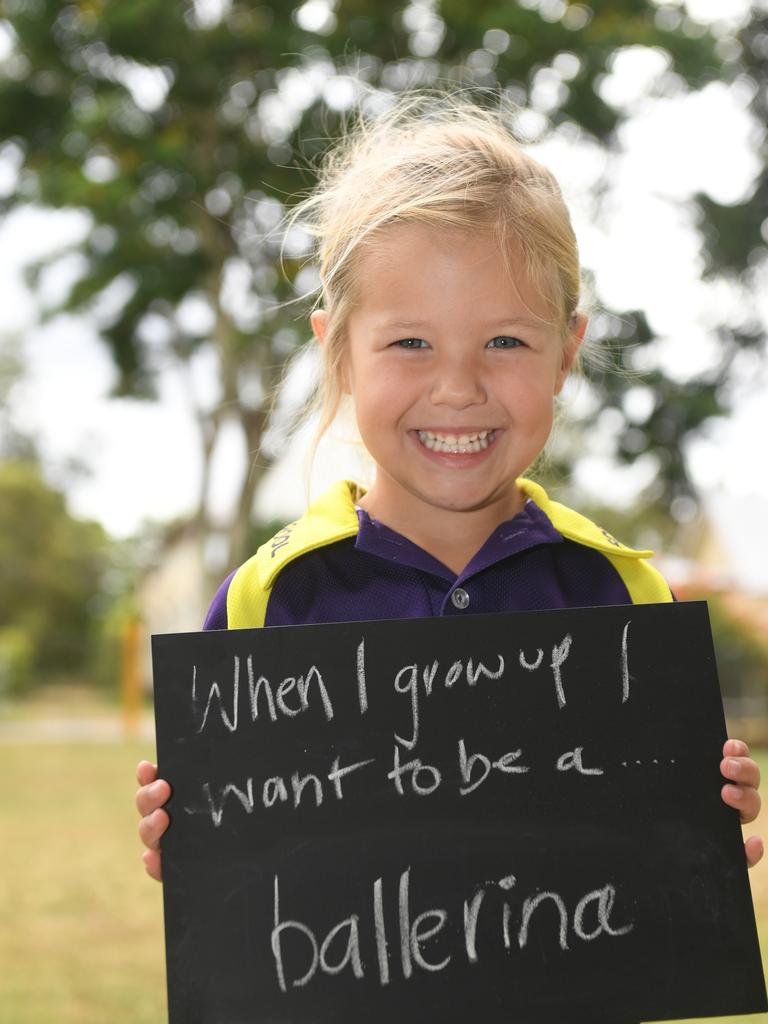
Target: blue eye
column 505, row 341
column 411, row 343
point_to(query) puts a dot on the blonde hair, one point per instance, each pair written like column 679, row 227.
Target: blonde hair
column 441, row 160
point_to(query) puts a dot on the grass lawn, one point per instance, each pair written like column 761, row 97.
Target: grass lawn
column 81, row 940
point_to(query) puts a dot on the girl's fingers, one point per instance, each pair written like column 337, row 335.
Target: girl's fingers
column 753, row 848
column 146, row 772
column 741, row 770
column 744, row 777
column 153, row 864
column 152, row 828
column 150, row 797
column 735, row 748
column 745, row 800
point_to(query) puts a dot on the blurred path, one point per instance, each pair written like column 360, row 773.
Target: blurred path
column 75, row 729
column 64, row 713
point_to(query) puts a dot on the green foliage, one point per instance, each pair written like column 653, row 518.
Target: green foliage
column 54, row 588
column 16, row 660
column 105, row 661
column 734, row 242
column 742, row 656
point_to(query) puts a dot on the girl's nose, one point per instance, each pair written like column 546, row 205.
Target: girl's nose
column 457, row 384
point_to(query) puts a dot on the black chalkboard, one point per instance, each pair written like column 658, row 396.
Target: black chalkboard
column 507, row 818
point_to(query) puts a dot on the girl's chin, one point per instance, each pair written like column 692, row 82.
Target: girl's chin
column 462, row 498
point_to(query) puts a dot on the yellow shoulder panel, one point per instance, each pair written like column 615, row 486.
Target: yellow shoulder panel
column 645, row 584
column 332, row 517
column 246, row 600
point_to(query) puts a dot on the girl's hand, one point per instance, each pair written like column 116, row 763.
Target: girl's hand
column 741, row 791
column 150, row 798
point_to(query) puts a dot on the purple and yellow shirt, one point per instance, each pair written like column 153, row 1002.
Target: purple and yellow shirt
column 337, row 564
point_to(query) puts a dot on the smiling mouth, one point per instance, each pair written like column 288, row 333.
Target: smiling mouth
column 456, row 444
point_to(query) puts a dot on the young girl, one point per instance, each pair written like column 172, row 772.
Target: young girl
column 451, row 319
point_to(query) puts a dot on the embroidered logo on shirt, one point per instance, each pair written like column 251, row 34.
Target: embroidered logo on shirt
column 610, row 539
column 281, row 538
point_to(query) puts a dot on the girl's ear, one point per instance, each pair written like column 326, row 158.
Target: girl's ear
column 319, row 319
column 572, row 345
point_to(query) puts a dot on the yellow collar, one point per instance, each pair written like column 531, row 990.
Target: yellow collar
column 575, row 526
column 333, row 517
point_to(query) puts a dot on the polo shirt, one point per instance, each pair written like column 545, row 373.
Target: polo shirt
column 338, row 564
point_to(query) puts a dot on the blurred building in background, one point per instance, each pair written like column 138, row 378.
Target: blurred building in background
column 723, row 558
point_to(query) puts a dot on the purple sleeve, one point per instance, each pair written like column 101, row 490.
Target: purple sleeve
column 217, row 613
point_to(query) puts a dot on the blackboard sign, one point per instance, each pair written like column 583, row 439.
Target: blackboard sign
column 511, row 817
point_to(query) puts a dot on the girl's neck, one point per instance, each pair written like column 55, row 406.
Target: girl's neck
column 451, row 536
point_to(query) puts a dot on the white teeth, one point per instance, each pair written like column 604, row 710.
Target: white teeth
column 456, row 444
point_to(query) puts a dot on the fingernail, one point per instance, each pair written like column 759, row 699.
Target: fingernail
column 734, row 766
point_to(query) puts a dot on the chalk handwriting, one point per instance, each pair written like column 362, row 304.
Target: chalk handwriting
column 407, row 682
column 413, row 680
column 410, row 939
column 290, row 698
column 417, row 770
column 625, row 676
column 293, row 695
column 572, row 759
column 275, row 790
column 544, row 911
column 531, row 665
column 230, row 721
column 216, row 808
column 531, row 904
column 382, row 946
column 605, row 898
column 362, row 690
column 654, row 760
column 471, row 914
column 505, row 763
column 559, row 654
column 309, row 789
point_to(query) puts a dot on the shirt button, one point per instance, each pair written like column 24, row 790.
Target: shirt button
column 460, row 599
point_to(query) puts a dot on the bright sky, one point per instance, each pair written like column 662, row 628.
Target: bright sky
column 143, row 456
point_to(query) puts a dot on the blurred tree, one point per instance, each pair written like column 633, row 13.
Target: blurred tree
column 736, row 236
column 55, row 585
column 184, row 129
column 742, row 658
column 13, row 443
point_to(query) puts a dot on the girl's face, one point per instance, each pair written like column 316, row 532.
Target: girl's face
column 452, row 376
